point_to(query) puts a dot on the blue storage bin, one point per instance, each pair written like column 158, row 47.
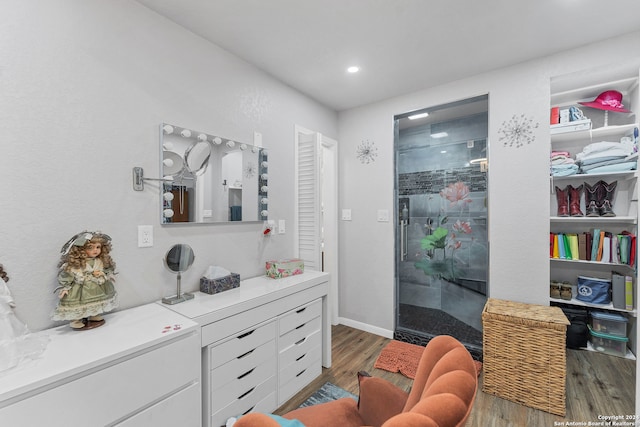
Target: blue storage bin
column 594, row 290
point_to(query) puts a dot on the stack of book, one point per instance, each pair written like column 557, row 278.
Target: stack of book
column 595, row 245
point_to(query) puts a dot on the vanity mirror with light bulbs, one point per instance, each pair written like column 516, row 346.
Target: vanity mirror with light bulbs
column 207, row 178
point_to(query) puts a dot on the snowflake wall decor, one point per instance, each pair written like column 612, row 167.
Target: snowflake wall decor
column 367, row 151
column 517, row 131
column 249, row 170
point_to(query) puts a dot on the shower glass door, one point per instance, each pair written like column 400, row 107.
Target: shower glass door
column 441, row 231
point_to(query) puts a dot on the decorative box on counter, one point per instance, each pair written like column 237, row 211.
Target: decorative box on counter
column 221, row 284
column 284, row 268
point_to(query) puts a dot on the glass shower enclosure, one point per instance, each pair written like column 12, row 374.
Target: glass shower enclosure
column 441, row 226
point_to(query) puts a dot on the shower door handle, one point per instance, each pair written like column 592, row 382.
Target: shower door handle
column 404, row 245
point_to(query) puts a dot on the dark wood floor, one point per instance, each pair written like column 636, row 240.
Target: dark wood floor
column 597, row 384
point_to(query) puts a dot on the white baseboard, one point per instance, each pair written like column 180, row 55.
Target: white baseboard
column 365, row 327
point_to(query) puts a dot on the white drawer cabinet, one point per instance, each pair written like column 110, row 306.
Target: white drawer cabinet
column 132, row 371
column 241, row 372
column 300, row 348
column 261, row 342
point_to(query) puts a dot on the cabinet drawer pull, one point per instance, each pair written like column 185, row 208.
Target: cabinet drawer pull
column 246, row 334
column 301, row 310
column 300, row 341
column 244, row 394
column 302, row 372
column 246, row 373
column 301, row 357
column 246, row 354
column 248, row 410
column 298, row 327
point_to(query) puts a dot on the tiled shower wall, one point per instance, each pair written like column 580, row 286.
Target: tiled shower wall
column 428, row 182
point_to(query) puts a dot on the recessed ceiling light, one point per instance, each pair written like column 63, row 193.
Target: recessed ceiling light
column 439, row 135
column 353, row 69
column 417, row 116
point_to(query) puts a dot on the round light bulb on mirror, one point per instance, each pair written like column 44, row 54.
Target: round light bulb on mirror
column 202, row 137
column 186, row 133
column 168, row 129
column 168, row 162
column 167, row 178
column 231, row 144
column 168, row 213
column 254, row 149
column 265, row 164
column 264, row 189
column 168, row 196
column 167, row 146
column 243, row 147
column 264, row 213
column 217, row 140
column 264, row 201
column 264, row 176
column 264, row 152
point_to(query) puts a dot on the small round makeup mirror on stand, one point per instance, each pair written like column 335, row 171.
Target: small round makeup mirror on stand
column 179, row 259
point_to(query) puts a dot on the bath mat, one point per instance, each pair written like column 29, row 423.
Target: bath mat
column 327, row 393
column 398, row 356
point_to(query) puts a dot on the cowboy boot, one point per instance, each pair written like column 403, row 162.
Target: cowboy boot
column 563, row 202
column 605, row 198
column 574, row 200
column 590, row 199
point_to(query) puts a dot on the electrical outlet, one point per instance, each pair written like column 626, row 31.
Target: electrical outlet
column 145, row 236
column 281, row 228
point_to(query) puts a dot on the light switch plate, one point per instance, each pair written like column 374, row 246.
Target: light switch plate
column 383, row 215
column 346, row 214
column 257, row 139
column 281, row 229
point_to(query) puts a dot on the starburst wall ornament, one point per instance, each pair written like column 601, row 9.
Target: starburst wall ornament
column 517, row 131
column 250, row 170
column 367, row 152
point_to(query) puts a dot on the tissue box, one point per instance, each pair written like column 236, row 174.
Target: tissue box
column 221, row 284
column 284, row 268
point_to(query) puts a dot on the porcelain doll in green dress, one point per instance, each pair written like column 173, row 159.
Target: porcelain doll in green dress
column 86, row 277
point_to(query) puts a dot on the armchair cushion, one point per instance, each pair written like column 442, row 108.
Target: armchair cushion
column 326, row 414
column 256, row 419
column 410, row 419
column 379, row 400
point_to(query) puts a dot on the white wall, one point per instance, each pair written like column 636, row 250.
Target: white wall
column 84, row 85
column 518, row 183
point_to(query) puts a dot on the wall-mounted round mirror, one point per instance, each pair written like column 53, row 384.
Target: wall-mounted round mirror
column 178, row 259
column 197, row 157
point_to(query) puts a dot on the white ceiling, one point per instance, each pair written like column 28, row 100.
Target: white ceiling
column 401, row 46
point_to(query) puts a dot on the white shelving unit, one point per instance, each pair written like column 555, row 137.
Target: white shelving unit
column 568, row 91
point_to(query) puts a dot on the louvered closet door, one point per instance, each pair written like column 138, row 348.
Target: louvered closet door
column 308, row 200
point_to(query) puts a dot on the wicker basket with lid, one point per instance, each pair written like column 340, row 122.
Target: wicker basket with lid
column 524, row 354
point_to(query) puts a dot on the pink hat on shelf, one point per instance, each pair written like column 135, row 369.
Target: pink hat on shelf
column 610, row 100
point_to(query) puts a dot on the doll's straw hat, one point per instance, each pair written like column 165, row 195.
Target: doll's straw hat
column 610, row 100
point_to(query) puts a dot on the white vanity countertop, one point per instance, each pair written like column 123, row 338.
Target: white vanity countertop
column 71, row 352
column 206, row 308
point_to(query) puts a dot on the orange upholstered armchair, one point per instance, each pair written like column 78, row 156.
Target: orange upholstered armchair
column 442, row 395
